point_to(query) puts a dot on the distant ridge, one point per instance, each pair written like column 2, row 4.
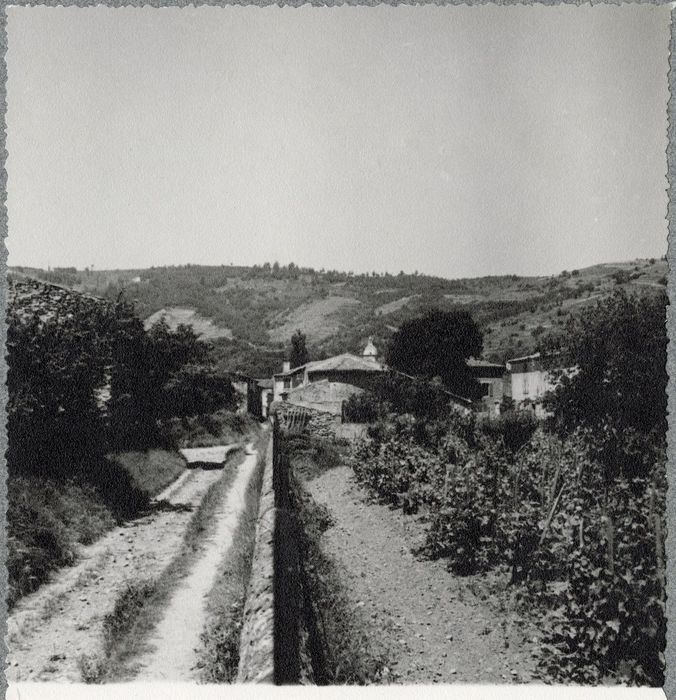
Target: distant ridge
column 249, row 313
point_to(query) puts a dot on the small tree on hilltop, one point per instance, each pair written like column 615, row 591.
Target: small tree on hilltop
column 299, row 354
column 438, row 345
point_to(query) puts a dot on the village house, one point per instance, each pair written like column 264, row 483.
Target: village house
column 494, row 382
column 326, row 384
column 264, row 389
column 530, row 380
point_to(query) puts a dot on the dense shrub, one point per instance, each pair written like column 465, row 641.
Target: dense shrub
column 362, row 408
column 515, row 427
column 609, row 621
column 394, row 392
column 620, row 277
column 197, row 390
column 157, row 375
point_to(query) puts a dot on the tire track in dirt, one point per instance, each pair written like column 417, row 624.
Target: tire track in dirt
column 436, row 626
column 173, row 654
column 49, row 630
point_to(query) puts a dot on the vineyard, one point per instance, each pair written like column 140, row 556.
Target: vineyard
column 587, row 555
column 570, row 510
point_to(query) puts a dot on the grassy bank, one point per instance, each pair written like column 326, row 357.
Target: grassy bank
column 219, row 655
column 139, row 608
column 49, row 519
column 152, row 470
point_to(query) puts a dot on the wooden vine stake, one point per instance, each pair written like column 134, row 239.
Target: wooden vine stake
column 659, row 542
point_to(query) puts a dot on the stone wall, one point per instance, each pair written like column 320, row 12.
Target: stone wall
column 29, row 297
column 256, row 650
column 279, row 641
column 318, row 422
column 274, row 638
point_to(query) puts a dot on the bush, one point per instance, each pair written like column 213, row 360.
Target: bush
column 397, row 393
column 620, row 277
column 610, row 619
column 514, row 427
column 55, row 365
column 362, row 408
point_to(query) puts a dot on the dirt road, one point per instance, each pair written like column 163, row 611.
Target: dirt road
column 437, row 627
column 51, row 629
column 176, row 638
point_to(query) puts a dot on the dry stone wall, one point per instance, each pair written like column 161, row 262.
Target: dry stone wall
column 275, row 642
column 29, row 297
column 316, row 422
column 256, row 652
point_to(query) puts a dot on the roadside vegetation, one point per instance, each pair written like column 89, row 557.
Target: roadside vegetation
column 572, row 511
column 97, row 407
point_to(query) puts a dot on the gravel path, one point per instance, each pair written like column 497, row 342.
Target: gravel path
column 52, row 628
column 437, row 626
column 175, row 641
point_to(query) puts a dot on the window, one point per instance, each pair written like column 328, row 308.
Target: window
column 287, row 383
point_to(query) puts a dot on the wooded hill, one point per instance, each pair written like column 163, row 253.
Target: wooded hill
column 250, row 313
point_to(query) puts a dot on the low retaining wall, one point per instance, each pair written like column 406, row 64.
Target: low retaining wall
column 256, row 650
column 317, row 422
column 274, row 637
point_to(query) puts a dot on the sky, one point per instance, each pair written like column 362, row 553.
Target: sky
column 455, row 141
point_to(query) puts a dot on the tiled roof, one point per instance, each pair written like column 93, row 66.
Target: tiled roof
column 534, row 356
column 482, row 363
column 344, row 362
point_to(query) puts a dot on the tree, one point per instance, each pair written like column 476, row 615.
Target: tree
column 197, row 390
column 56, row 364
column 620, row 277
column 144, row 365
column 299, row 354
column 617, row 393
column 438, row 345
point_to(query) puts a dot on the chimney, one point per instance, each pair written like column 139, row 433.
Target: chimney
column 286, row 366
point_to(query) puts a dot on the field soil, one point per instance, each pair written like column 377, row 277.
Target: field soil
column 438, row 628
column 52, row 628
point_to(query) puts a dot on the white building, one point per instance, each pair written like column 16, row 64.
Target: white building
column 530, row 381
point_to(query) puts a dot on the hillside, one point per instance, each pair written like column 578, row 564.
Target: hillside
column 249, row 313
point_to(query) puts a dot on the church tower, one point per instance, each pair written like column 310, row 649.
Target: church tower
column 370, row 351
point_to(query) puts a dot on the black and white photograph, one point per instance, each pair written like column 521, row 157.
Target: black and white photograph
column 336, row 347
